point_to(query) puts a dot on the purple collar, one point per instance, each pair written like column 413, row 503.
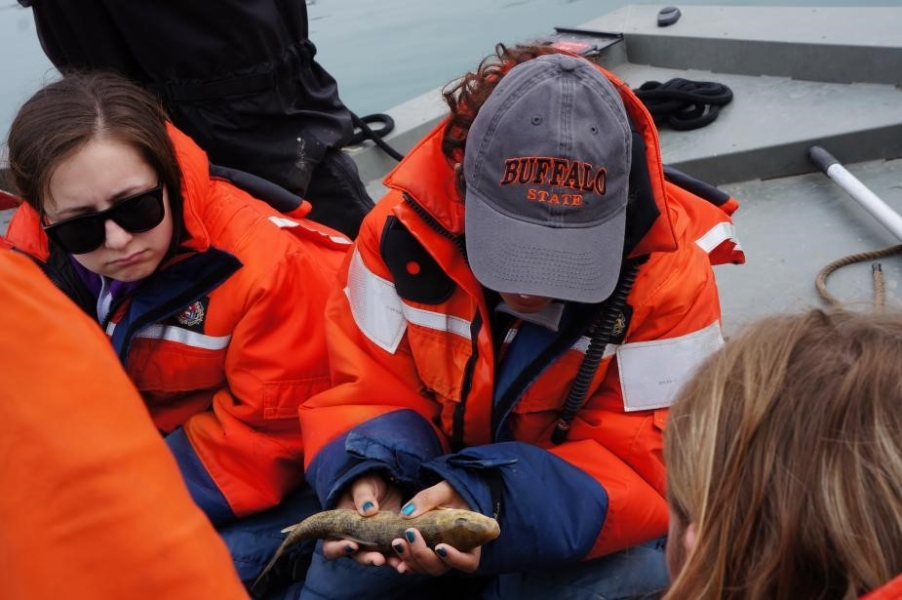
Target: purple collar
column 118, row 289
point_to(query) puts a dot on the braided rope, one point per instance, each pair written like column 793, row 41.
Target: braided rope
column 820, row 281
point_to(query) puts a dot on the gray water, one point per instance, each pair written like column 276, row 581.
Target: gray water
column 381, row 52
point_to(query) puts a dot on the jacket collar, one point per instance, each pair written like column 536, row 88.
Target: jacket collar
column 196, row 189
column 429, row 178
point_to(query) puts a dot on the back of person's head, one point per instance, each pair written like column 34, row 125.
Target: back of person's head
column 784, row 453
column 63, row 116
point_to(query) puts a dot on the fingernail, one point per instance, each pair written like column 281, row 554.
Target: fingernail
column 367, row 506
column 410, row 535
column 399, row 548
column 408, row 509
column 349, row 549
column 441, row 551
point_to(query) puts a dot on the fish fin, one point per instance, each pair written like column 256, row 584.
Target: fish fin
column 290, row 528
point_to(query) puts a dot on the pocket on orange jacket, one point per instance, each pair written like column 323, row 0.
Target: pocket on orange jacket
column 281, row 399
column 441, row 360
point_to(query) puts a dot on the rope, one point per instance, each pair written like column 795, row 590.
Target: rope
column 366, row 132
column 879, row 288
column 683, row 104
column 820, row 281
column 680, row 103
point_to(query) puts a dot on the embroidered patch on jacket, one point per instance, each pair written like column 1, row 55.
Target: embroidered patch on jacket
column 192, row 316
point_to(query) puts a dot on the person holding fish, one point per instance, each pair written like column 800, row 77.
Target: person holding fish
column 515, row 317
column 211, row 298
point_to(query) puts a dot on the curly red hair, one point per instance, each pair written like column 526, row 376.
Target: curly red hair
column 466, row 96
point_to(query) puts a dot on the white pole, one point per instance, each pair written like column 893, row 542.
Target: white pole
column 860, row 192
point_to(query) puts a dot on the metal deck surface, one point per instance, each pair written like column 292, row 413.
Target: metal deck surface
column 791, row 227
column 800, row 77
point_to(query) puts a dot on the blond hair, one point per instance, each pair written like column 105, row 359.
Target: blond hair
column 785, row 451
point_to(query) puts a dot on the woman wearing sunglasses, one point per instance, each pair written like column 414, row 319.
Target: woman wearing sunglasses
column 212, row 299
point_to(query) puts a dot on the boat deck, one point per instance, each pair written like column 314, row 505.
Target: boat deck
column 792, row 227
column 800, row 77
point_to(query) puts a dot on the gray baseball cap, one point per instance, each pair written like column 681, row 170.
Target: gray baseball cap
column 547, row 166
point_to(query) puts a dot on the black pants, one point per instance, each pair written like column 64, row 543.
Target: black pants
column 338, row 196
column 238, row 76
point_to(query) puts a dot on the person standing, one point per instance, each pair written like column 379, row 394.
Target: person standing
column 240, row 78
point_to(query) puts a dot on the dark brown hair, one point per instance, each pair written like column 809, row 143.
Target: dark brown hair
column 466, row 96
column 65, row 115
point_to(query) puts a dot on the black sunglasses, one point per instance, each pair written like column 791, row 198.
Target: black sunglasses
column 86, row 233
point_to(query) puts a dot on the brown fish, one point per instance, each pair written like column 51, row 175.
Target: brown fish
column 460, row 529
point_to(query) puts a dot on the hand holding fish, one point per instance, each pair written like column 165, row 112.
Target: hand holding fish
column 427, row 536
column 368, row 495
column 415, row 555
column 371, row 494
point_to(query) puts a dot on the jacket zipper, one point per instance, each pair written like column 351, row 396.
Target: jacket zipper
column 433, row 224
column 457, row 419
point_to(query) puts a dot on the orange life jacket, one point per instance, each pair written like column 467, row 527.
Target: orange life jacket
column 92, row 502
column 229, row 340
column 892, row 590
column 411, row 330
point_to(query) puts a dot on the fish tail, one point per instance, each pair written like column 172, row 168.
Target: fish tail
column 268, row 567
column 296, row 533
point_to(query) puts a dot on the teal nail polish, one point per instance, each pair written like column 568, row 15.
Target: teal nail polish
column 410, row 535
column 349, row 549
column 367, row 506
column 441, row 552
column 408, row 509
column 399, row 548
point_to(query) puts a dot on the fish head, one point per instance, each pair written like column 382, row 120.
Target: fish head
column 471, row 529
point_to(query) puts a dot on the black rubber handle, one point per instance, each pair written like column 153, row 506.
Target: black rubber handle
column 668, row 16
column 821, row 158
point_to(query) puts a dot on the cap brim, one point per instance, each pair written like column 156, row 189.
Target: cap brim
column 580, row 264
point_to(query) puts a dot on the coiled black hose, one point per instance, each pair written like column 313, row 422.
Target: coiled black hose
column 600, row 334
column 684, row 104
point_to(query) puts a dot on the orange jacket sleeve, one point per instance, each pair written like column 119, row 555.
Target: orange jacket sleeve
column 92, row 503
